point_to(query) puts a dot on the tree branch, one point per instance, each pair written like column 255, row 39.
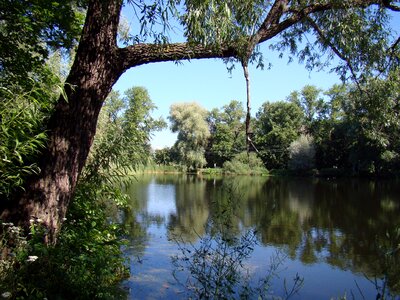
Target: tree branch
column 388, row 5
column 334, row 49
column 270, row 29
column 273, row 17
column 392, row 49
column 140, row 54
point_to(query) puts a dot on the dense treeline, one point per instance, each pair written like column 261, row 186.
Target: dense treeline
column 348, row 129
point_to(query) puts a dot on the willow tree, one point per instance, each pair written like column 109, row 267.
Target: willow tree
column 189, row 121
column 357, row 31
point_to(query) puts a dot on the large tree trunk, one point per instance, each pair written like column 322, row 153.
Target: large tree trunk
column 73, row 124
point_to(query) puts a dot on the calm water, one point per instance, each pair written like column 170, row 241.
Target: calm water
column 341, row 237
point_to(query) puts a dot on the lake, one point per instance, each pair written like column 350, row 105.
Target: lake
column 302, row 238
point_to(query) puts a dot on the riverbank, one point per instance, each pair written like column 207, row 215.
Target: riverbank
column 323, row 173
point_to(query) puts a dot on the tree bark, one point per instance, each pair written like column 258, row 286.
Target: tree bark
column 98, row 65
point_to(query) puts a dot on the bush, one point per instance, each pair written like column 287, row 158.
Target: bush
column 245, row 163
column 86, row 263
column 212, row 171
column 302, row 153
column 22, row 118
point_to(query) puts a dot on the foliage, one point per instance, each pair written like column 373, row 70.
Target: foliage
column 189, row 120
column 154, row 19
column 312, row 105
column 374, row 114
column 123, row 134
column 227, row 133
column 163, row 156
column 137, row 116
column 329, row 132
column 302, row 153
column 245, row 163
column 23, row 114
column 91, row 240
column 193, row 160
column 359, row 132
column 29, row 30
column 278, row 124
column 218, row 23
column 354, row 34
column 85, row 263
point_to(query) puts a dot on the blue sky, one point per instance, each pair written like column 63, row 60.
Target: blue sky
column 208, row 83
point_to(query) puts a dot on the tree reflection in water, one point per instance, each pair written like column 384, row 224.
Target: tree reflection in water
column 216, row 264
column 341, row 231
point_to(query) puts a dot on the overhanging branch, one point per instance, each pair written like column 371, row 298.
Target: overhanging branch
column 140, row 54
column 342, row 56
column 389, row 5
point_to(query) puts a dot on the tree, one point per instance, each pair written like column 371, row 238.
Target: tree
column 138, row 122
column 123, row 133
column 374, row 114
column 163, row 156
column 312, row 105
column 189, row 120
column 357, row 129
column 329, row 131
column 356, row 31
column 227, row 133
column 278, row 124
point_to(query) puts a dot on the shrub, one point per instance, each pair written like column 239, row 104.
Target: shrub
column 302, row 153
column 86, row 263
column 22, row 116
column 245, row 163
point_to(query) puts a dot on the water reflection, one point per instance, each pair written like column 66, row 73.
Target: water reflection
column 192, row 209
column 349, row 228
